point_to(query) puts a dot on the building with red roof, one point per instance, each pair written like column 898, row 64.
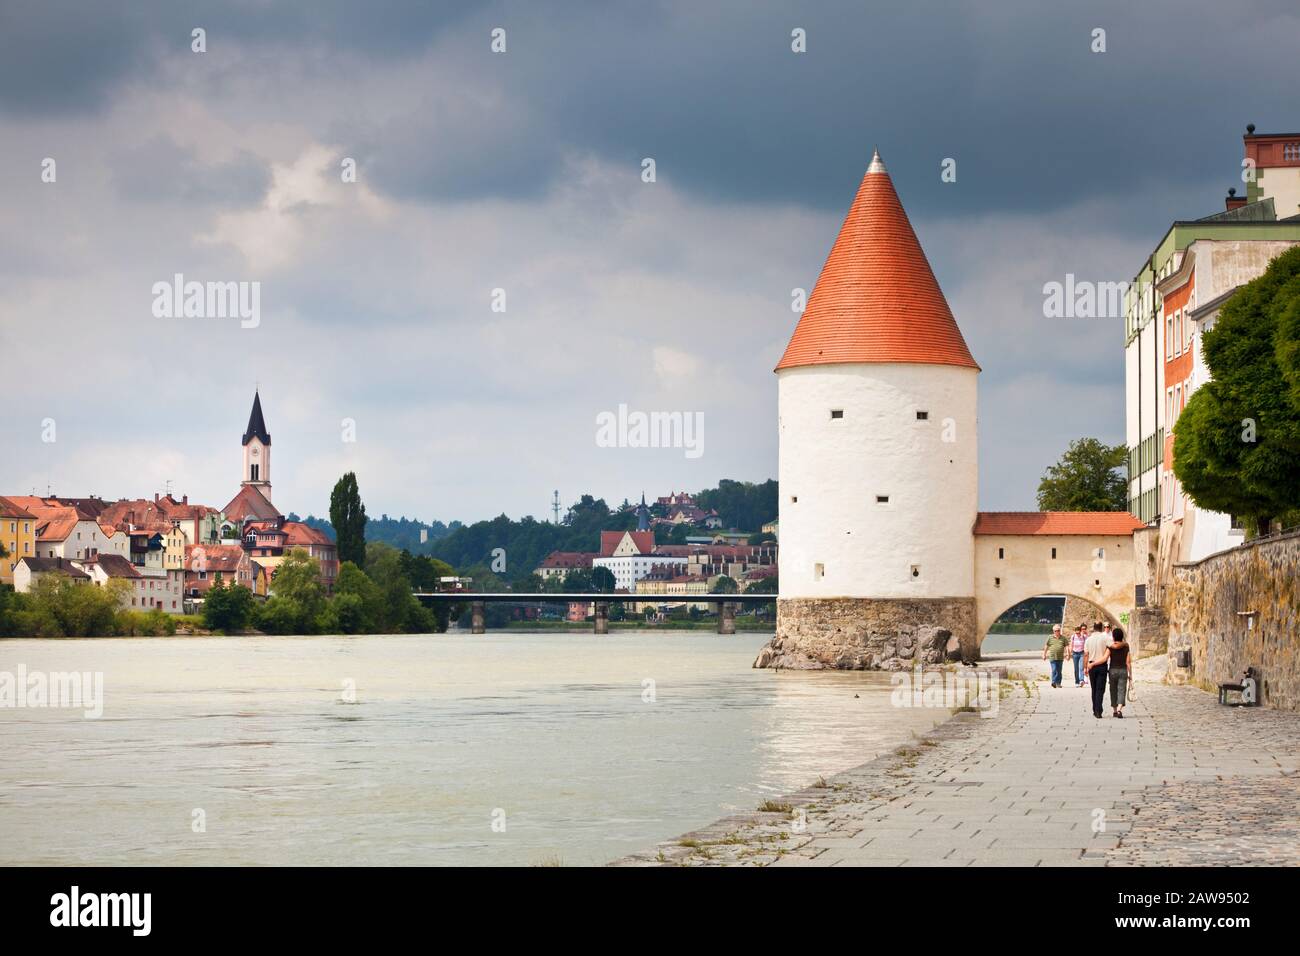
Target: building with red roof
column 880, row 530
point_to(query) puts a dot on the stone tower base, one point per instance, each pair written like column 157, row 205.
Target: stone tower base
column 870, row 633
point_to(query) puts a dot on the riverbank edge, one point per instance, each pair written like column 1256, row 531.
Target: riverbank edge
column 760, row 837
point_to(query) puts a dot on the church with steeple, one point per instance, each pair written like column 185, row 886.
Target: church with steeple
column 265, row 534
column 254, row 498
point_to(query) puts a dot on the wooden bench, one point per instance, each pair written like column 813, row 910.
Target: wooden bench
column 1248, row 689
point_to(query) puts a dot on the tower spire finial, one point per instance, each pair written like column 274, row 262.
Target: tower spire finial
column 877, row 164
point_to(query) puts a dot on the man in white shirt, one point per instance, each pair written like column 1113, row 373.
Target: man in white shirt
column 1096, row 651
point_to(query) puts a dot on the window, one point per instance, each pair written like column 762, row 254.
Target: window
column 1291, row 152
column 1053, row 554
column 794, row 499
column 1001, row 553
column 837, row 413
column 1169, row 337
column 997, row 582
column 819, row 571
column 916, row 570
column 922, row 416
column 882, row 499
column 1178, row 332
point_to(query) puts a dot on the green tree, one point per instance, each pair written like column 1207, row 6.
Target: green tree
column 1089, row 477
column 725, row 584
column 602, row 580
column 227, row 609
column 1237, row 443
column 298, row 593
column 363, row 612
column 348, row 516
column 402, row 610
column 577, row 581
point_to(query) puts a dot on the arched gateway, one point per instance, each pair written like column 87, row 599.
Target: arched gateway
column 884, row 558
column 1022, row 554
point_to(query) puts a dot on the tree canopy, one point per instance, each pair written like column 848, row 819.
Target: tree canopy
column 1088, row 477
column 348, row 516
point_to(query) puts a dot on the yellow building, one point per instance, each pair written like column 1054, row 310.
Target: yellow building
column 174, row 548
column 17, row 537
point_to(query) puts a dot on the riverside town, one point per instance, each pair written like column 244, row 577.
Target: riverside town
column 356, row 508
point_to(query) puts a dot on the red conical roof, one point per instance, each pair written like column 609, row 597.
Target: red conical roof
column 877, row 299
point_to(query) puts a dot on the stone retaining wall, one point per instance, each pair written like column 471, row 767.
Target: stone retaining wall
column 870, row 634
column 1239, row 609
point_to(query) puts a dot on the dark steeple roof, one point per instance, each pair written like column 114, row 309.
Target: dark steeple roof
column 256, row 425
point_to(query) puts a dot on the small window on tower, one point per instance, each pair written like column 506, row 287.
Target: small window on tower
column 819, row 571
column 882, row 499
column 1053, row 554
column 922, row 416
column 794, row 499
column 916, row 570
column 997, row 582
column 1001, row 553
column 837, row 413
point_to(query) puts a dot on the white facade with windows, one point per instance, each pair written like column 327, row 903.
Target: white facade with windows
column 878, row 501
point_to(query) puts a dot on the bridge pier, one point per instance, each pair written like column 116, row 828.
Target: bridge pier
column 726, row 617
column 477, row 624
column 601, row 617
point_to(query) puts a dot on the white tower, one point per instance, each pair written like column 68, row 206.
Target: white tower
column 257, row 451
column 878, row 453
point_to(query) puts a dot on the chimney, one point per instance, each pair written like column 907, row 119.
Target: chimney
column 185, row 499
column 155, row 497
column 1233, row 201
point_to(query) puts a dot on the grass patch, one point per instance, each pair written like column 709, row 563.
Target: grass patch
column 772, row 806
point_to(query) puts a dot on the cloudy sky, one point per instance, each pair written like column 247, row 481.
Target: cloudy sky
column 522, row 171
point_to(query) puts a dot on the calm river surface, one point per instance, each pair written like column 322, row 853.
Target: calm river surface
column 551, row 734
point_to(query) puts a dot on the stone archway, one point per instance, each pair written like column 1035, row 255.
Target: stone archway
column 1079, row 610
column 989, row 613
column 1010, row 568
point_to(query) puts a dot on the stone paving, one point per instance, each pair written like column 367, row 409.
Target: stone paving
column 1180, row 780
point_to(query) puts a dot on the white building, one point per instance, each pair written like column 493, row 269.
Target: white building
column 1177, row 290
column 630, row 556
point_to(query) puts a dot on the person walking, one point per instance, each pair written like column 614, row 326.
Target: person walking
column 1118, row 671
column 1096, row 652
column 1054, row 653
column 1077, row 640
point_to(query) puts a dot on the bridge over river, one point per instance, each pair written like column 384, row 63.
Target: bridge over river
column 478, row 600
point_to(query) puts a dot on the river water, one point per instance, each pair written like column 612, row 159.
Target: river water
column 509, row 748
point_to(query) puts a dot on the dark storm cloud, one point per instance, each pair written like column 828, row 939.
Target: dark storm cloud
column 1012, row 90
column 70, row 56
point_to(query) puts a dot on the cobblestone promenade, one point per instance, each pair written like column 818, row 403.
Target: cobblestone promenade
column 1179, row 780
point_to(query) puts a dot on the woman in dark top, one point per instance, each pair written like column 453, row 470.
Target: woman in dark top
column 1118, row 671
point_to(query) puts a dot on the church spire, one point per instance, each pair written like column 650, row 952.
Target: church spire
column 256, row 424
